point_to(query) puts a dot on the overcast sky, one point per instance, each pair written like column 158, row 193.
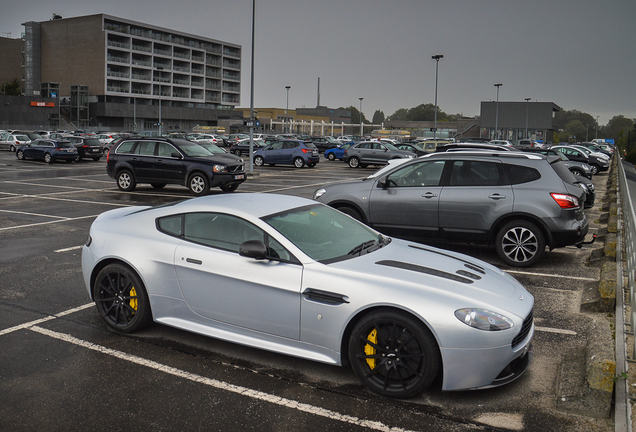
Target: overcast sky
column 578, row 54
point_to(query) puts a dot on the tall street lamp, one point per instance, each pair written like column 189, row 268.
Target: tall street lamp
column 436, row 58
column 597, row 126
column 497, row 113
column 527, row 100
column 360, row 117
column 160, row 69
column 287, row 109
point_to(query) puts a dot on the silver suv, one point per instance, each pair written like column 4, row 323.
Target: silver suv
column 373, row 153
column 520, row 202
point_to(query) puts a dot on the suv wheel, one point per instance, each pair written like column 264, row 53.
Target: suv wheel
column 126, row 181
column 520, row 243
column 198, row 184
column 354, row 162
column 299, row 162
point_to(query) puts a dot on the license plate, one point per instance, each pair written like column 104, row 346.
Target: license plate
column 239, row 177
column 94, row 150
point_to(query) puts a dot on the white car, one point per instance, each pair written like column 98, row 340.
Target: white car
column 297, row 277
column 505, row 143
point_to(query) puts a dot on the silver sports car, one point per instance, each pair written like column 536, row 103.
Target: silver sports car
column 293, row 276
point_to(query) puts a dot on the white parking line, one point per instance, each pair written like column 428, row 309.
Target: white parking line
column 221, row 385
column 552, row 275
column 47, row 223
column 554, row 330
column 68, row 249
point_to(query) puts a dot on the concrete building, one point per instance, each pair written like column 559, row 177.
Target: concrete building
column 510, row 120
column 133, row 76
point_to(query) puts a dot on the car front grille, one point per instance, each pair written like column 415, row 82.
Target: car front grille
column 525, row 329
column 235, row 168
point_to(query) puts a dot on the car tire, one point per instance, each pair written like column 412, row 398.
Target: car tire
column 230, row 187
column 158, row 185
column 354, row 162
column 12, row 148
column 331, row 156
column 105, row 152
column 351, row 212
column 238, row 153
column 198, row 184
column 520, row 243
column 311, row 165
column 20, row 155
column 126, row 181
column 299, row 162
column 48, row 158
column 96, row 158
column 121, row 299
column 393, row 353
column 577, row 172
column 259, row 161
column 595, row 168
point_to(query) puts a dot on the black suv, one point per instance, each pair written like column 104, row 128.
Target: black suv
column 160, row 161
column 86, row 147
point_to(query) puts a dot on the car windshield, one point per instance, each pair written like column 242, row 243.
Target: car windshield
column 193, row 149
column 213, row 148
column 325, row 234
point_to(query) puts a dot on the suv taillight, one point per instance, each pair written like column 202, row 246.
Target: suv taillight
column 565, row 201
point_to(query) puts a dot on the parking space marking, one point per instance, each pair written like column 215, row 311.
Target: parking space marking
column 587, row 279
column 68, row 249
column 32, row 214
column 48, row 318
column 47, row 223
column 221, row 385
column 554, row 330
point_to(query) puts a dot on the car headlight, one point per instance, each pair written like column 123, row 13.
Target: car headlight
column 483, row 319
column 320, row 192
column 220, row 168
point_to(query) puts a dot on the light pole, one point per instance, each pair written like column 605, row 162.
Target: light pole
column 597, row 126
column 360, row 118
column 527, row 100
column 287, row 109
column 497, row 113
column 436, row 58
column 160, row 69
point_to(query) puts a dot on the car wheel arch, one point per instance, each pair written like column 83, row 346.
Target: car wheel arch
column 338, row 205
column 108, row 261
column 547, row 235
column 348, row 330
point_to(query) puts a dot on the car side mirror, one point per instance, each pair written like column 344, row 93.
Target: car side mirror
column 253, row 249
column 383, row 182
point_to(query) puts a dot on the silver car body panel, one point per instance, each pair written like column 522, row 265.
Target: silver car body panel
column 267, row 304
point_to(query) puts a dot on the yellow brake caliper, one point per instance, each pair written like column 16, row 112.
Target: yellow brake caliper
column 133, row 299
column 369, row 350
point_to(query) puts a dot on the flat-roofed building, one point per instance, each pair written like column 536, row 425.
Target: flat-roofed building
column 136, row 73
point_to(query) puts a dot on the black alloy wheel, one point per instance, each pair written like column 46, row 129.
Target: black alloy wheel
column 393, row 353
column 121, row 299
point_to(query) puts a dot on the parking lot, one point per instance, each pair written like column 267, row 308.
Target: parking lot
column 62, row 369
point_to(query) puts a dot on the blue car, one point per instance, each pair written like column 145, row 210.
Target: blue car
column 48, row 150
column 288, row 152
column 337, row 152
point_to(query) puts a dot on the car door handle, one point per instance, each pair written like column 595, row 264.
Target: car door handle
column 429, row 195
column 496, row 196
column 194, row 261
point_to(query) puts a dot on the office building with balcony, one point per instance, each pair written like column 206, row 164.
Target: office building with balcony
column 113, row 73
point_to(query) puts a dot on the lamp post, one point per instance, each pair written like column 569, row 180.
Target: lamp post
column 436, row 58
column 597, row 126
column 287, row 109
column 527, row 100
column 360, row 118
column 497, row 113
column 160, row 69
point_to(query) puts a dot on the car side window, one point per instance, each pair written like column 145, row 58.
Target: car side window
column 522, row 174
column 145, row 148
column 228, row 232
column 165, row 149
column 276, row 146
column 476, row 173
column 125, row 147
column 290, row 144
column 428, row 173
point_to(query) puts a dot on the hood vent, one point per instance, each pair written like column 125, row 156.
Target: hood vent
column 427, row 270
column 468, row 264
